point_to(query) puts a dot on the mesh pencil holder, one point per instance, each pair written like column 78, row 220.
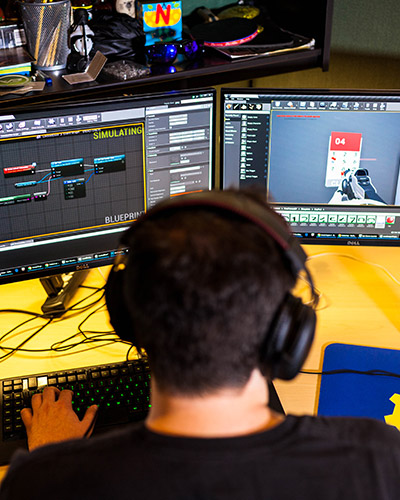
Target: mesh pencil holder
column 46, row 27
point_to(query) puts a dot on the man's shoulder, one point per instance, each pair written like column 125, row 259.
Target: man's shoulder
column 107, row 441
column 71, row 458
column 355, row 431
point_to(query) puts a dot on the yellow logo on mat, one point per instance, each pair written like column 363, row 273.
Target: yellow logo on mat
column 394, row 418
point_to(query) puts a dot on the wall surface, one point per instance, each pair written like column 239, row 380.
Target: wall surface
column 345, row 71
column 365, row 50
column 190, row 5
column 367, row 27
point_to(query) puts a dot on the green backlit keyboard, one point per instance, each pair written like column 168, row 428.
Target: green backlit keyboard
column 122, row 391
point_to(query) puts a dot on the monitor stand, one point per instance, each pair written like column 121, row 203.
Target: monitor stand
column 60, row 289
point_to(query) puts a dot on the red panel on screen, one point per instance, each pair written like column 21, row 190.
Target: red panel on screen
column 345, row 141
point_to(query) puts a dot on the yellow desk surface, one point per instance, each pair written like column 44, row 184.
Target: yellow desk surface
column 30, row 295
column 359, row 305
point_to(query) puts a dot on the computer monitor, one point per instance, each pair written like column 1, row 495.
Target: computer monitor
column 73, row 176
column 328, row 160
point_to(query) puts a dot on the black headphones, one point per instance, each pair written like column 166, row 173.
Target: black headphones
column 289, row 338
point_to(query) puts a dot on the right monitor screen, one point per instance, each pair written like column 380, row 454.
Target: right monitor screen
column 328, row 160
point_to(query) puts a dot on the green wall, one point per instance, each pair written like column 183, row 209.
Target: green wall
column 365, row 50
column 366, row 27
column 189, row 5
column 345, row 71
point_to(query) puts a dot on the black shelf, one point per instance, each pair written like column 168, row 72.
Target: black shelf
column 313, row 18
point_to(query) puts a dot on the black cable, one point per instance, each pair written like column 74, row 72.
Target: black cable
column 15, row 328
column 69, row 347
column 96, row 290
column 43, row 316
column 129, row 351
column 21, row 311
column 58, row 347
column 97, row 336
column 82, row 332
column 374, row 372
column 73, row 309
column 19, row 347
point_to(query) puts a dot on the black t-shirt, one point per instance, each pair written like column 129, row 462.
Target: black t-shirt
column 302, row 458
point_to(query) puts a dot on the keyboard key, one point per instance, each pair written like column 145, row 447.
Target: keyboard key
column 42, row 381
column 32, row 383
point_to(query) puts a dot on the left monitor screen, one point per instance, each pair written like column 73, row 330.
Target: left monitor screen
column 74, row 176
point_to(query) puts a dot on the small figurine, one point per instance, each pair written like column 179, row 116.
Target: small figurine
column 125, row 7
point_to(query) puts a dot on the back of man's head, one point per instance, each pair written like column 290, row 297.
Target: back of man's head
column 202, row 287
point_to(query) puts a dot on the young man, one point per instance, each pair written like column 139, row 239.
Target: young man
column 206, row 292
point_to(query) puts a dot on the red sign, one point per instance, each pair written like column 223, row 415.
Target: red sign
column 345, row 141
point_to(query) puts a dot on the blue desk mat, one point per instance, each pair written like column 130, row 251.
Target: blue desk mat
column 349, row 394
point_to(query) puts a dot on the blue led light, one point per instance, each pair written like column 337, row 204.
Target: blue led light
column 171, row 52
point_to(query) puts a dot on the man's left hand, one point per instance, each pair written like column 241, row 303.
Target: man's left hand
column 52, row 418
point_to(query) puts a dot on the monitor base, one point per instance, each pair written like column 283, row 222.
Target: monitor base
column 60, row 290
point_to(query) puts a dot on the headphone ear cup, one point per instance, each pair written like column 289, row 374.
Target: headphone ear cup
column 289, row 339
column 76, row 62
column 120, row 318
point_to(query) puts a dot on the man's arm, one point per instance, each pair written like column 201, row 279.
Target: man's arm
column 52, row 418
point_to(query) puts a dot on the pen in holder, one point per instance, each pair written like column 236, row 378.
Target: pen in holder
column 46, row 27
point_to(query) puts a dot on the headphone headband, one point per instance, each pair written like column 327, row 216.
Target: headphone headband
column 243, row 206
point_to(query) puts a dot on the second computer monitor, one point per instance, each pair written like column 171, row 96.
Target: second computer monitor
column 328, row 160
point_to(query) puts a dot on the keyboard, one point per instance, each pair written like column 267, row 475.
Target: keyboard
column 122, row 391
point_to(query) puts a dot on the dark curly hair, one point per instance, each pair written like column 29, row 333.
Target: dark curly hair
column 202, row 287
